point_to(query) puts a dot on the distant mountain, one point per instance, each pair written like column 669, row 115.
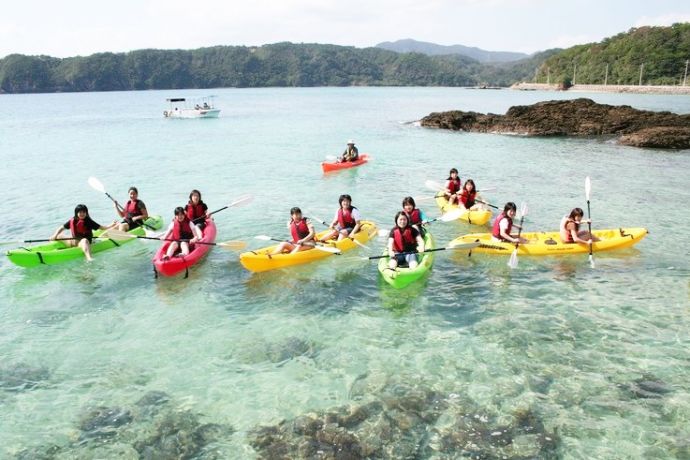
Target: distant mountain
column 432, row 49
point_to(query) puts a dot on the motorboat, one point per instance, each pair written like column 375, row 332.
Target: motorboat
column 181, row 107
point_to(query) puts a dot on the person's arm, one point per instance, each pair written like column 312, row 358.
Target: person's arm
column 503, row 226
column 144, row 213
column 311, row 234
column 119, row 209
column 358, row 223
column 334, row 221
column 420, row 243
column 423, row 216
column 391, row 251
column 169, row 231
column 573, row 233
column 59, row 231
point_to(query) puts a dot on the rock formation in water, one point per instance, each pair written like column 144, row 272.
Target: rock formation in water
column 578, row 117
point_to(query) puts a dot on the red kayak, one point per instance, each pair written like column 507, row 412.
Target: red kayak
column 335, row 166
column 177, row 263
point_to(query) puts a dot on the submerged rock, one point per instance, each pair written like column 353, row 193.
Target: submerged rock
column 18, row 377
column 577, row 117
column 648, row 386
column 103, row 422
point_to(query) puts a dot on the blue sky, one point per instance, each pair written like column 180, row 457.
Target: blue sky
column 83, row 27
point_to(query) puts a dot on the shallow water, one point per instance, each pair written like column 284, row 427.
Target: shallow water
column 244, row 350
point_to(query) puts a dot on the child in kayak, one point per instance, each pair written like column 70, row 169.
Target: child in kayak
column 503, row 225
column 302, row 232
column 570, row 228
column 468, row 196
column 183, row 231
column 404, row 241
column 196, row 209
column 81, row 227
column 346, row 222
column 351, row 153
column 453, row 187
column 415, row 216
column 134, row 212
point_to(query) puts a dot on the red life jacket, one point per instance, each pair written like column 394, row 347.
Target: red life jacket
column 345, row 219
column 468, row 198
column 496, row 230
column 132, row 209
column 182, row 230
column 566, row 236
column 403, row 241
column 299, row 230
column 454, row 185
column 195, row 211
column 79, row 229
column 414, row 217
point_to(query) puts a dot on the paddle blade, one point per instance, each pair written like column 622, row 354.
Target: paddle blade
column 591, row 261
column 331, row 157
column 424, row 198
column 487, row 189
column 361, row 245
column 263, row 237
column 327, row 249
column 383, row 232
column 523, row 210
column 464, row 246
column 588, row 187
column 96, row 184
column 513, row 261
column 433, row 185
column 233, row 245
column 453, row 214
column 116, row 235
column 241, row 201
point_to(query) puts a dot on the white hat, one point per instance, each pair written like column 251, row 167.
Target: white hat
column 350, row 142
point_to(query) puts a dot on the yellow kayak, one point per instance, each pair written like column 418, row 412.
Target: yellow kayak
column 260, row 260
column 549, row 243
column 478, row 217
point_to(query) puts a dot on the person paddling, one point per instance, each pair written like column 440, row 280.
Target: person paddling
column 570, row 228
column 404, row 241
column 183, row 231
column 416, row 216
column 503, row 225
column 196, row 209
column 453, row 186
column 351, row 153
column 134, row 212
column 81, row 226
column 468, row 196
column 346, row 222
column 302, row 232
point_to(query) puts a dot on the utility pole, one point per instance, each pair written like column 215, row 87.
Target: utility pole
column 606, row 78
column 574, row 73
column 685, row 78
column 641, row 67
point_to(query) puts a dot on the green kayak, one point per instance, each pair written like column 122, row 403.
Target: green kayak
column 401, row 277
column 55, row 252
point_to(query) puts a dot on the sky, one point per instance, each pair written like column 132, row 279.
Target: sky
column 83, row 27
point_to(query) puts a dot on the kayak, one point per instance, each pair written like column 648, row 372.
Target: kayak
column 260, row 260
column 177, row 263
column 478, row 217
column 549, row 243
column 328, row 166
column 55, row 252
column 403, row 276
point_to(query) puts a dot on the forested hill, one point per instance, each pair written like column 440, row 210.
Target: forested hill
column 280, row 64
column 409, row 45
column 659, row 54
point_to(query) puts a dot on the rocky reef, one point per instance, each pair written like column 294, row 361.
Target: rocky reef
column 577, row 117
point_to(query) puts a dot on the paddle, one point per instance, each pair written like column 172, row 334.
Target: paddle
column 459, row 247
column 513, row 261
column 451, row 215
column 362, row 245
column 314, row 245
column 588, row 189
column 42, row 240
column 241, row 201
column 119, row 235
column 98, row 186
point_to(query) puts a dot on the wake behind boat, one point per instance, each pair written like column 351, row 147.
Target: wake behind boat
column 181, row 107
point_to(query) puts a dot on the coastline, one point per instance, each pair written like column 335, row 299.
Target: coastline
column 636, row 89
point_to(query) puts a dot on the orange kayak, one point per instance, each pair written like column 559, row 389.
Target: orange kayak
column 336, row 166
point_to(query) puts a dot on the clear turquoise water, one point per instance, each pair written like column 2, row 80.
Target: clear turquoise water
column 108, row 332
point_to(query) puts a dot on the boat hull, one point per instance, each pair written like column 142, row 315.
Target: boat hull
column 549, row 243
column 260, row 261
column 56, row 252
column 178, row 263
column 402, row 277
column 478, row 217
column 332, row 166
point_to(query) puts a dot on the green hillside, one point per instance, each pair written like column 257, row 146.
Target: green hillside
column 660, row 53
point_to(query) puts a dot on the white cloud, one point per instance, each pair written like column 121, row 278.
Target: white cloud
column 662, row 20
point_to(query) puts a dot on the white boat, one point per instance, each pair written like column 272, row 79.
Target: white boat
column 181, row 107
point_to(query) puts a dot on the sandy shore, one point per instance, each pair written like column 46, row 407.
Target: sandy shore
column 638, row 89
